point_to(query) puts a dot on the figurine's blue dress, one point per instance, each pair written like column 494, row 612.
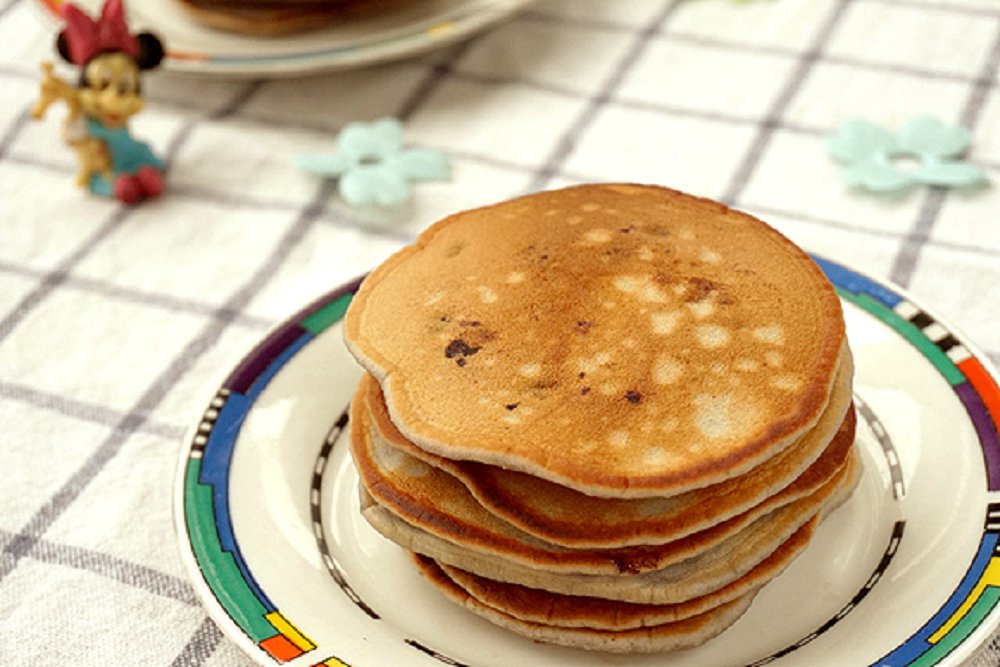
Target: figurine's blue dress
column 127, row 155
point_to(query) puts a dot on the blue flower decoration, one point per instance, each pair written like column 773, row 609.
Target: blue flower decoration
column 869, row 153
column 372, row 165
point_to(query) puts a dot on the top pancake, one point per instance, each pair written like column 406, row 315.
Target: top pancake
column 621, row 340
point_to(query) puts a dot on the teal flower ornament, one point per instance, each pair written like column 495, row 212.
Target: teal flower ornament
column 876, row 158
column 372, row 165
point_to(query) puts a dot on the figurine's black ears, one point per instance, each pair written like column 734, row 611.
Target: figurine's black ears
column 150, row 50
column 62, row 46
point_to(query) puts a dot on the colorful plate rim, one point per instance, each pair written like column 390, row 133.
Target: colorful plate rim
column 230, row 593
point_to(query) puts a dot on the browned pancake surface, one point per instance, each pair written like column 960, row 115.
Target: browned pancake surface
column 669, row 636
column 566, row 517
column 624, row 341
column 439, row 504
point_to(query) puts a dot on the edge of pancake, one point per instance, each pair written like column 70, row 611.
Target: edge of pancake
column 676, row 583
column 649, row 529
column 677, row 635
column 592, row 481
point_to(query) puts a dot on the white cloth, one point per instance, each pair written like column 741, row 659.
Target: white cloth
column 115, row 321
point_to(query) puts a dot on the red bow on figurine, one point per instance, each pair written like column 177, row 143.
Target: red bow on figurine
column 85, row 37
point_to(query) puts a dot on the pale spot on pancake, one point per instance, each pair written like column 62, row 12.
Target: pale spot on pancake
column 590, row 207
column 646, row 428
column 786, row 382
column 669, row 424
column 746, row 365
column 665, row 322
column 654, row 456
column 680, row 289
column 611, row 211
column 608, row 305
column 686, row 233
column 773, row 359
column 709, row 256
column 712, row 336
column 470, row 278
column 652, row 294
column 667, row 370
column 628, row 284
column 574, row 220
column 515, row 277
column 702, row 309
column 712, row 415
column 434, row 298
column 484, row 400
column 629, row 343
column 486, row 295
column 772, row 334
column 592, row 364
column 645, row 254
column 719, row 368
column 511, row 418
column 608, row 389
column 531, row 370
column 489, row 361
column 618, row 438
column 598, row 235
column 551, row 212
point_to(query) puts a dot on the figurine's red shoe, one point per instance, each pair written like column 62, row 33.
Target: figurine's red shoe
column 127, row 190
column 150, row 181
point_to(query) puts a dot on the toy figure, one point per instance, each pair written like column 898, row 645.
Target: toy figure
column 108, row 93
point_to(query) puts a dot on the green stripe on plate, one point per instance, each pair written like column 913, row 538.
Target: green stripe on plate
column 984, row 605
column 217, row 566
column 327, row 315
column 910, row 332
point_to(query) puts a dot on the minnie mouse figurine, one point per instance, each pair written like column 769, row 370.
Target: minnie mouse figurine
column 108, row 93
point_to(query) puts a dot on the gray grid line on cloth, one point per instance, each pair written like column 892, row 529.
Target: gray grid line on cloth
column 130, row 422
column 723, row 44
column 969, row 248
column 7, row 6
column 774, row 115
column 83, row 410
column 438, row 72
column 111, row 567
column 904, row 265
column 564, row 146
column 939, row 6
column 14, row 129
column 158, row 300
column 200, row 647
column 154, row 394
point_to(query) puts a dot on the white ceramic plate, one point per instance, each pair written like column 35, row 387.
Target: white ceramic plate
column 907, row 572
column 414, row 28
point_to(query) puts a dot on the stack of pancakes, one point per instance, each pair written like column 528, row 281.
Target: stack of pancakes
column 603, row 416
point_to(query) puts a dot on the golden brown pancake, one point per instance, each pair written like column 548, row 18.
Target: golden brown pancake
column 670, row 636
column 624, row 341
column 539, row 606
column 693, row 577
column 569, row 518
column 437, row 503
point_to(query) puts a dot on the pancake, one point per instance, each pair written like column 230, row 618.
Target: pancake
column 438, row 504
column 270, row 18
column 623, row 341
column 569, row 518
column 693, row 577
column 538, row 606
column 664, row 637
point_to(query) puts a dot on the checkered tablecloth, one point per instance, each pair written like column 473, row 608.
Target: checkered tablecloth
column 116, row 321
